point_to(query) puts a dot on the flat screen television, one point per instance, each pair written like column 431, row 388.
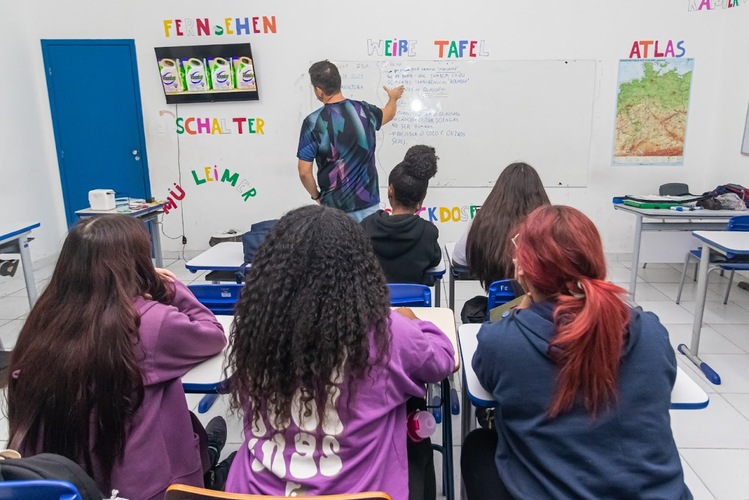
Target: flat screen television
column 207, row 73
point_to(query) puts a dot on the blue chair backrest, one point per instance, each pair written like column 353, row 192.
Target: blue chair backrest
column 41, row 489
column 219, row 298
column 410, row 295
column 500, row 292
column 738, row 223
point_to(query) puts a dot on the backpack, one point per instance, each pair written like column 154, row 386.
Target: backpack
column 50, row 466
column 711, row 201
column 252, row 239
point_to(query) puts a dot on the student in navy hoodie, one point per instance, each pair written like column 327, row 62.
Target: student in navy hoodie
column 582, row 380
column 405, row 244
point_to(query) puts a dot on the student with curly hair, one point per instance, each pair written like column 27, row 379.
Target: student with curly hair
column 405, row 244
column 322, row 368
column 582, row 380
column 95, row 374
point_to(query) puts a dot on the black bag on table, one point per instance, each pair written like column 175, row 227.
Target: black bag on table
column 252, row 239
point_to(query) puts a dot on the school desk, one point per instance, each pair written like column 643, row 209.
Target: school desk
column 671, row 221
column 229, row 256
column 14, row 238
column 713, row 242
column 457, row 273
column 686, row 394
column 208, row 377
column 149, row 215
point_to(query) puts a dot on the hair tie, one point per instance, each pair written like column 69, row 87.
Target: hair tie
column 578, row 295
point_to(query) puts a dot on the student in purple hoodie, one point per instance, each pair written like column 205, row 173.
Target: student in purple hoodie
column 322, row 366
column 95, row 374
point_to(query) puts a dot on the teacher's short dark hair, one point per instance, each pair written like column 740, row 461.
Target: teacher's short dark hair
column 325, row 76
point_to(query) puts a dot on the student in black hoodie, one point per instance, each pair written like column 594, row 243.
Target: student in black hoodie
column 406, row 244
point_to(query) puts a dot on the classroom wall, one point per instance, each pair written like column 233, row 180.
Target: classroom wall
column 309, row 31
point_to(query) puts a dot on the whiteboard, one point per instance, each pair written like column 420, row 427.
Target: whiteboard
column 482, row 116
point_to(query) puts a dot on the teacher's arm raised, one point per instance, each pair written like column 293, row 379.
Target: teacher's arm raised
column 388, row 111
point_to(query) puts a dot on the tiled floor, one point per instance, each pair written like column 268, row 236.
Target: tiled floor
column 713, row 443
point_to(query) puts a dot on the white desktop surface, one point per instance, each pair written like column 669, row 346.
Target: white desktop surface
column 685, row 393
column 210, row 371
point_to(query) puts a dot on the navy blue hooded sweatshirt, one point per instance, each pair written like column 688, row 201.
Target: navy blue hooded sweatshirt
column 627, row 451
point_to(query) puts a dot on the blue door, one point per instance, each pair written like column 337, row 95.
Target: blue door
column 96, row 114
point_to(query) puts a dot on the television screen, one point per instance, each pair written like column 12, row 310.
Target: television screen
column 207, row 73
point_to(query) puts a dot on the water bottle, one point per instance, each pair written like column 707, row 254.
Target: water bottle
column 421, row 425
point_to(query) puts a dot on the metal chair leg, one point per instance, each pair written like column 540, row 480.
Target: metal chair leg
column 728, row 288
column 683, row 276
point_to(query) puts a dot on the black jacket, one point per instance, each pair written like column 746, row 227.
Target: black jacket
column 406, row 246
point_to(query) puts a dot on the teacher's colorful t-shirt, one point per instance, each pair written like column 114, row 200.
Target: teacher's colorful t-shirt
column 340, row 137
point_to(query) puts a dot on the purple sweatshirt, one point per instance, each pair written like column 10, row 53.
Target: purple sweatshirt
column 357, row 447
column 161, row 447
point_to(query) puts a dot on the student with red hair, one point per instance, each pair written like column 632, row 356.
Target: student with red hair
column 581, row 379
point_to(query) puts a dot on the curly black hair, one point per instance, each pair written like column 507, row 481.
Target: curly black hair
column 313, row 299
column 410, row 178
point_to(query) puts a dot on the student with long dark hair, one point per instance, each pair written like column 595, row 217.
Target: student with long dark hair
column 405, row 244
column 95, row 374
column 483, row 246
column 582, row 380
column 322, row 368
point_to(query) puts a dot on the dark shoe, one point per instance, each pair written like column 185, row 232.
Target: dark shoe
column 8, row 267
column 219, row 474
column 216, row 431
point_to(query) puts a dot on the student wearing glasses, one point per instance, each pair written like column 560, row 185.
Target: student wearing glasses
column 582, row 380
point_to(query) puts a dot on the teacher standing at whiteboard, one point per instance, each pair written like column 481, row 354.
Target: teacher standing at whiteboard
column 340, row 136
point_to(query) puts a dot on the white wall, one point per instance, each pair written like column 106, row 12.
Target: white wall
column 308, row 31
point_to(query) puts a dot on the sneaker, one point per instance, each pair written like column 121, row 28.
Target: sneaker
column 220, row 473
column 216, row 431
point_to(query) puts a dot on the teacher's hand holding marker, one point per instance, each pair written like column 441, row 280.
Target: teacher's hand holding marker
column 388, row 111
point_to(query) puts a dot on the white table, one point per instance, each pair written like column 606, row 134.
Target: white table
column 148, row 215
column 686, row 394
column 668, row 220
column 14, row 239
column 229, row 256
column 713, row 242
column 208, row 377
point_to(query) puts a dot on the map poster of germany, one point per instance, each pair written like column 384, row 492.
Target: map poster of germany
column 651, row 111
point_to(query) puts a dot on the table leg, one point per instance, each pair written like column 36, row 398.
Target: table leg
column 692, row 352
column 635, row 255
column 153, row 224
column 437, row 291
column 447, row 441
column 28, row 269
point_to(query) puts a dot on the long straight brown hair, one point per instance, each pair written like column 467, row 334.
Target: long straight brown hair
column 75, row 380
column 517, row 192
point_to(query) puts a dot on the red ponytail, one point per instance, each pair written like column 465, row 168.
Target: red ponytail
column 560, row 253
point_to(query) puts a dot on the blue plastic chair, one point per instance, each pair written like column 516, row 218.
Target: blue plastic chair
column 738, row 223
column 219, row 298
column 500, row 292
column 410, row 295
column 41, row 489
